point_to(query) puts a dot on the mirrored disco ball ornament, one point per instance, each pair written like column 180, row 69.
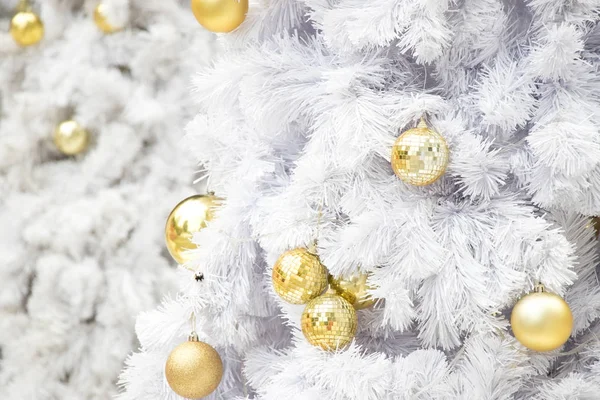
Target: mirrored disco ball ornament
column 329, row 322
column 420, row 155
column 298, row 276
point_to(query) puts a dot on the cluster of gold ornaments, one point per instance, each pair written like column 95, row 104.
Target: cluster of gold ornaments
column 220, row 16
column 541, row 321
column 420, row 155
column 27, row 28
column 329, row 319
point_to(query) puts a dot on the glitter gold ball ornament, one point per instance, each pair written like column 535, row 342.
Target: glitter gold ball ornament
column 101, row 20
column 26, row 28
column 541, row 321
column 220, row 15
column 298, row 276
column 329, row 322
column 71, row 138
column 194, row 369
column 420, row 155
column 188, row 217
column 354, row 289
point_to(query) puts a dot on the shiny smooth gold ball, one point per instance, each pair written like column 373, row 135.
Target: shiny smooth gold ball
column 329, row 322
column 354, row 289
column 102, row 22
column 542, row 321
column 194, row 370
column 220, row 15
column 420, row 155
column 26, row 28
column 71, row 138
column 298, row 276
column 191, row 215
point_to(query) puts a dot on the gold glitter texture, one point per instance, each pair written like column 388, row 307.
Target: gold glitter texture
column 194, row 369
column 420, row 155
column 354, row 289
column 329, row 322
column 298, row 276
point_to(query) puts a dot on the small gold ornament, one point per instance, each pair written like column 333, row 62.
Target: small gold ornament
column 541, row 321
column 298, row 276
column 420, row 155
column 71, row 138
column 220, row 15
column 354, row 289
column 595, row 223
column 329, row 322
column 191, row 215
column 26, row 27
column 102, row 22
column 194, row 369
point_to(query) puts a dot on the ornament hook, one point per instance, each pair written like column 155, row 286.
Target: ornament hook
column 193, row 337
column 24, row 6
column 539, row 288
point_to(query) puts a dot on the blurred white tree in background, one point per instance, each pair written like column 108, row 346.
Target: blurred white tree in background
column 81, row 238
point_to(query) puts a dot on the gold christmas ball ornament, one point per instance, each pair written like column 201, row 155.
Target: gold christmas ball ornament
column 595, row 223
column 191, row 215
column 329, row 322
column 101, row 20
column 354, row 289
column 541, row 321
column 71, row 138
column 298, row 276
column 26, row 28
column 220, row 15
column 420, row 155
column 194, row 369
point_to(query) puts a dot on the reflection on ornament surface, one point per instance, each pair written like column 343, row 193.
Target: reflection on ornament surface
column 188, row 217
column 26, row 28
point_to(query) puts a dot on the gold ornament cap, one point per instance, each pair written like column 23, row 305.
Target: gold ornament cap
column 191, row 215
column 354, row 288
column 194, row 369
column 26, row 28
column 71, row 138
column 542, row 321
column 101, row 20
column 329, row 322
column 298, row 276
column 220, row 15
column 420, row 155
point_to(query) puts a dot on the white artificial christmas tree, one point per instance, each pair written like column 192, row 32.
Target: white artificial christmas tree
column 82, row 240
column 297, row 121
